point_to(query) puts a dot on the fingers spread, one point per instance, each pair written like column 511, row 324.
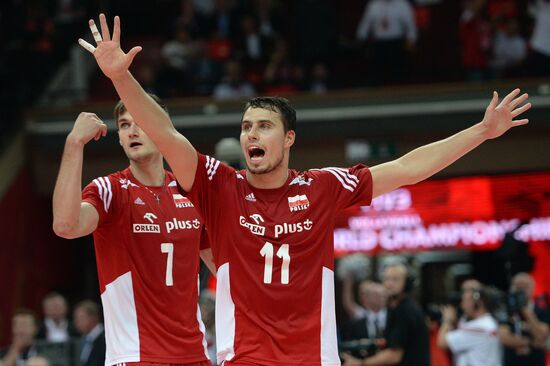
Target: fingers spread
column 494, row 101
column 116, row 29
column 514, row 93
column 520, row 110
column 88, row 47
column 95, row 32
column 519, row 100
column 133, row 52
column 104, row 27
column 520, row 122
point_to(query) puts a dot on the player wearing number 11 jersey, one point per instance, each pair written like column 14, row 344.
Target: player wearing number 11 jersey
column 147, row 238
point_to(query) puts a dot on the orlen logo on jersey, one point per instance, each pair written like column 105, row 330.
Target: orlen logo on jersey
column 182, row 225
column 254, row 228
column 146, row 228
column 298, row 202
column 181, row 201
column 292, row 228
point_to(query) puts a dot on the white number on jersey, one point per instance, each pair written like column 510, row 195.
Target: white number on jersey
column 283, row 253
column 168, row 248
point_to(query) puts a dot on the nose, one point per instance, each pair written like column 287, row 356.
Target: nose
column 252, row 134
column 134, row 130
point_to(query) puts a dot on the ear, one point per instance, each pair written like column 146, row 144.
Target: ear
column 290, row 138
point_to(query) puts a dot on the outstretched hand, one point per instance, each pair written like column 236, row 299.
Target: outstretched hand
column 499, row 117
column 108, row 54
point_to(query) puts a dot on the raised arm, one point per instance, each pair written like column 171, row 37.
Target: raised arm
column 152, row 119
column 73, row 218
column 427, row 160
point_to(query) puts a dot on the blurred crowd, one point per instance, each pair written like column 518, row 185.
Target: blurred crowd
column 232, row 49
column 59, row 339
column 475, row 325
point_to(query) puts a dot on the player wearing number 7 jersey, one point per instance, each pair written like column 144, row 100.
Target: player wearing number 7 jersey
column 147, row 238
column 272, row 227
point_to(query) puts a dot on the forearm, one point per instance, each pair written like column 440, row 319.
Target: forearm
column 538, row 329
column 384, row 358
column 427, row 160
column 146, row 112
column 67, row 193
column 442, row 334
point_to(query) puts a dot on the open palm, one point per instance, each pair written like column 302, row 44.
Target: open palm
column 108, row 54
column 499, row 117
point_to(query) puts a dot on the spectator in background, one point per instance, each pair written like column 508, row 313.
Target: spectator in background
column 252, row 44
column 475, row 36
column 24, row 328
column 525, row 334
column 369, row 317
column 56, row 327
column 540, row 40
column 509, row 50
column 406, row 332
column 319, row 79
column 87, row 316
column 473, row 341
column 176, row 54
column 389, row 28
column 233, row 86
column 281, row 76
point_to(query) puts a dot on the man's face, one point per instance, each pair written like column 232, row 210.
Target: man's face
column 23, row 328
column 55, row 308
column 372, row 296
column 467, row 303
column 263, row 140
column 136, row 144
column 524, row 284
column 394, row 279
column 83, row 321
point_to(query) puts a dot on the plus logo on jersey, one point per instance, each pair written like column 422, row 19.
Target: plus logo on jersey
column 298, row 203
column 181, row 201
column 257, row 228
column 182, row 225
column 296, row 227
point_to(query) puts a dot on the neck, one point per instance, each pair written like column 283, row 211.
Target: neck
column 274, row 179
column 271, row 180
column 148, row 173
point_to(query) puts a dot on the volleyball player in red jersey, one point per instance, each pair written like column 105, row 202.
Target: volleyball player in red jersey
column 275, row 290
column 147, row 239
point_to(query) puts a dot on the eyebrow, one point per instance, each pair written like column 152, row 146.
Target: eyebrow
column 259, row 121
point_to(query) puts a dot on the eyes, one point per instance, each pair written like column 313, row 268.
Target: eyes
column 123, row 125
column 262, row 126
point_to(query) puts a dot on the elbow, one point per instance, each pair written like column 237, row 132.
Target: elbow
column 63, row 229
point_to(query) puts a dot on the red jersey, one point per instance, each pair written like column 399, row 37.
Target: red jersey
column 147, row 246
column 275, row 257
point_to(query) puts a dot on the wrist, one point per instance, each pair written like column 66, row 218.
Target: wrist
column 74, row 141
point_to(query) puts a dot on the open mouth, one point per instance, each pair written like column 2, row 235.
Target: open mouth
column 255, row 153
column 135, row 144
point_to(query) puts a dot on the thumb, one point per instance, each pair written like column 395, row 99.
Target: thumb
column 133, row 52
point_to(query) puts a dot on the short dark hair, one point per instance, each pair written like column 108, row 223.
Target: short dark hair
column 275, row 104
column 120, row 108
column 90, row 307
column 26, row 312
